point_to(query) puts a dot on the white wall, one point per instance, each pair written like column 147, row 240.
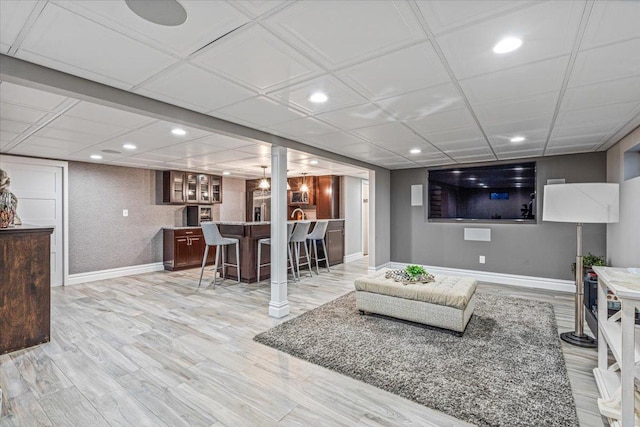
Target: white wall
column 352, row 213
column 623, row 238
column 233, row 203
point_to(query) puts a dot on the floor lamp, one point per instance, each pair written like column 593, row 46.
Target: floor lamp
column 580, row 203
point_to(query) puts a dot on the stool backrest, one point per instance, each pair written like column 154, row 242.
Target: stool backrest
column 300, row 232
column 211, row 233
column 290, row 226
column 318, row 231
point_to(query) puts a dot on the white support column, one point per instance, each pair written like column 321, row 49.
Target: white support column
column 279, row 305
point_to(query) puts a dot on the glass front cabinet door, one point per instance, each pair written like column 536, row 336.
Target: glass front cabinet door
column 174, row 187
column 216, row 189
column 204, row 188
column 192, row 188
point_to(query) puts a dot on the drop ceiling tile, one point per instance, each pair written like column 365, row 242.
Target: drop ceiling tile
column 13, row 126
column 610, row 22
column 27, row 97
column 388, row 134
column 257, row 58
column 444, row 15
column 186, row 149
column 13, row 16
column 470, row 132
column 58, row 144
column 333, row 140
column 441, row 121
column 100, row 54
column 365, row 151
column 428, row 157
column 89, row 127
column 517, row 109
column 298, row 95
column 352, row 33
column 536, row 152
column 611, row 92
column 547, row 30
column 423, row 102
column 570, row 149
column 532, row 129
column 604, row 115
column 255, row 8
column 439, row 162
column 150, row 156
column 258, row 149
column 223, row 142
column 7, row 138
column 39, row 151
column 206, row 21
column 475, row 158
column 194, row 88
column 69, row 135
column 21, row 114
column 403, row 71
column 516, row 83
column 223, row 156
column 305, row 127
column 107, row 115
column 503, row 145
column 260, row 111
column 4, row 48
column 616, row 61
column 356, row 117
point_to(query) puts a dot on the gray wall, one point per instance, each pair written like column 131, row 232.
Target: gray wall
column 101, row 238
column 380, row 222
column 351, row 208
column 623, row 238
column 545, row 249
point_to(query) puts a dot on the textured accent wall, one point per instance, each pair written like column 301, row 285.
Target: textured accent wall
column 101, row 238
column 623, row 238
column 545, row 249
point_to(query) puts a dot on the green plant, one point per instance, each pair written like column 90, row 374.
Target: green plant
column 590, row 260
column 415, row 271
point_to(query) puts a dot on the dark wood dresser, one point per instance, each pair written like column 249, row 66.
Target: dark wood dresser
column 25, row 287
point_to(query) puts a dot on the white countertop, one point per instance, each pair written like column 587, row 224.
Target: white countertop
column 624, row 282
column 248, row 223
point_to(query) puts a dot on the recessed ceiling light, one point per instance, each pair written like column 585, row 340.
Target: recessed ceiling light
column 129, row 147
column 226, row 173
column 96, row 156
column 178, row 131
column 457, row 171
column 168, row 12
column 313, row 162
column 318, row 97
column 508, row 44
column 415, row 151
column 517, row 139
column 472, row 178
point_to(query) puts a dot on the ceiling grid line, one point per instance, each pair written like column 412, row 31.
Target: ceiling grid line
column 584, row 21
column 26, row 28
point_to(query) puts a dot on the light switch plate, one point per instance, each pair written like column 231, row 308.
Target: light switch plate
column 125, row 212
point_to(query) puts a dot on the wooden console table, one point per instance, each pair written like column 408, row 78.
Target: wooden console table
column 621, row 337
column 25, row 287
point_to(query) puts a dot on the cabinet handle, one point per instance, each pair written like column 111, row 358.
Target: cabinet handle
column 188, row 232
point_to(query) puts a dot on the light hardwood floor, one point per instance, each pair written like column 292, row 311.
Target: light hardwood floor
column 151, row 350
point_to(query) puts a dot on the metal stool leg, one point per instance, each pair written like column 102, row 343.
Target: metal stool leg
column 306, row 250
column 204, row 262
column 290, row 256
column 315, row 249
column 238, row 260
column 326, row 255
column 297, row 251
column 215, row 267
column 224, row 263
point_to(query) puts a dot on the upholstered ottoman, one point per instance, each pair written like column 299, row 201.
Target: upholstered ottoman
column 447, row 303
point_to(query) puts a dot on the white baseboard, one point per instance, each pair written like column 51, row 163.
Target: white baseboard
column 501, row 278
column 92, row 276
column 379, row 267
column 352, row 257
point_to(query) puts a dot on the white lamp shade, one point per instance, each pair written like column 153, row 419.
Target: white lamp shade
column 586, row 203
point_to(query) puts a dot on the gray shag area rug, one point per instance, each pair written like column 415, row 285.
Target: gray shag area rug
column 506, row 370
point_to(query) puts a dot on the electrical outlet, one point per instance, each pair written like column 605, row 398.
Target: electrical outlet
column 481, row 259
column 125, row 212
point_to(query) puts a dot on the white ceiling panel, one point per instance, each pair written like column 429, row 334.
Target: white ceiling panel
column 22, row 114
column 89, row 127
column 100, row 54
column 69, row 135
column 406, row 70
column 547, row 30
column 298, row 95
column 610, row 22
column 443, row 15
column 306, row 127
column 441, row 121
column 606, row 116
column 39, row 151
column 423, row 102
column 260, row 111
column 194, row 88
column 13, row 16
column 388, row 134
column 356, row 30
column 517, row 82
column 224, row 142
column 255, row 8
column 610, row 92
column 571, row 149
column 356, row 117
column 606, row 63
column 334, row 140
column 27, row 97
column 223, row 156
column 536, row 152
column 107, row 115
column 206, row 21
column 59, row 144
column 13, row 126
column 517, row 110
column 257, row 58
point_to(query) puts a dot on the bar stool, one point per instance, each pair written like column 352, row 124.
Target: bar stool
column 318, row 233
column 267, row 241
column 212, row 237
column 300, row 236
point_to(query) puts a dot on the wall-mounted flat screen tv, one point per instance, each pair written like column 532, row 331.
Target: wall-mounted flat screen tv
column 485, row 193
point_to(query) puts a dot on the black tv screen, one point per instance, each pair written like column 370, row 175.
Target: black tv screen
column 491, row 193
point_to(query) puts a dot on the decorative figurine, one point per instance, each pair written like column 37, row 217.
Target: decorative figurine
column 8, row 203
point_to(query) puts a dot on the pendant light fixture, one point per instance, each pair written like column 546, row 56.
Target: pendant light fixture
column 264, row 182
column 304, row 187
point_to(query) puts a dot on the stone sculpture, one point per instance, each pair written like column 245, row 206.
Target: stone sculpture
column 8, row 203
